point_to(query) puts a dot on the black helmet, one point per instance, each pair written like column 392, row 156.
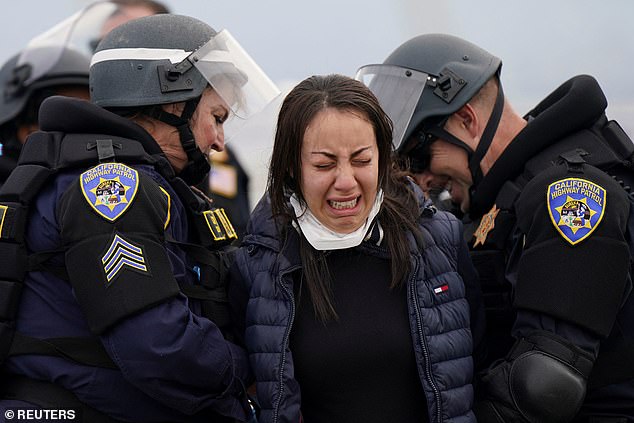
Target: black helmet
column 168, row 58
column 53, row 67
column 58, row 56
column 146, row 77
column 162, row 59
column 431, row 75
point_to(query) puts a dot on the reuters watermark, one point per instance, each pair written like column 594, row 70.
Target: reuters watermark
column 48, row 415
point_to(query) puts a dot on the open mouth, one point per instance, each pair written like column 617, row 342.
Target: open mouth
column 343, row 205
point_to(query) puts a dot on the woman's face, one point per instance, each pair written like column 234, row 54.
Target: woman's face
column 206, row 125
column 340, row 169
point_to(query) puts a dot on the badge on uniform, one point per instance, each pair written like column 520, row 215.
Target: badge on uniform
column 110, row 188
column 576, row 207
column 487, row 223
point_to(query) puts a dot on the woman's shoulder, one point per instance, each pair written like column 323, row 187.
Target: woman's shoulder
column 442, row 226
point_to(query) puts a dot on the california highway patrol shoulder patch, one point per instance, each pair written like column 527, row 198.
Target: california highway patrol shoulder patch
column 576, row 207
column 110, row 188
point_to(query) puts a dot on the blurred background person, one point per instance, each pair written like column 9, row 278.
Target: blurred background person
column 26, row 80
column 51, row 66
column 131, row 9
column 228, row 186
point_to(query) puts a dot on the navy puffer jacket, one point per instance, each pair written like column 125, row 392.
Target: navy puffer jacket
column 262, row 291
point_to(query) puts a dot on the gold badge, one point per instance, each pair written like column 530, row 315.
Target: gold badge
column 486, row 225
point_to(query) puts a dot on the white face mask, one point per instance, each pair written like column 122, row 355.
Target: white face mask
column 322, row 238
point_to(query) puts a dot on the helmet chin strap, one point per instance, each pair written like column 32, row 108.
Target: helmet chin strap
column 475, row 157
column 197, row 165
column 487, row 137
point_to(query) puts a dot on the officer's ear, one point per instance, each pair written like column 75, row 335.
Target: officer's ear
column 174, row 108
column 469, row 121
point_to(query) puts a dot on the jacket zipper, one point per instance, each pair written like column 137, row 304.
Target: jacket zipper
column 419, row 325
column 276, row 412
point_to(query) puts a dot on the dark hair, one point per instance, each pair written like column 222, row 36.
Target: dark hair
column 399, row 211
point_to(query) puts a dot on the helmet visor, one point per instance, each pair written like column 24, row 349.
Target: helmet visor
column 398, row 91
column 74, row 33
column 234, row 75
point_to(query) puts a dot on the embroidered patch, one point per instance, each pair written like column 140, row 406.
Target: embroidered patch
column 487, row 223
column 110, row 188
column 219, row 224
column 120, row 254
column 576, row 207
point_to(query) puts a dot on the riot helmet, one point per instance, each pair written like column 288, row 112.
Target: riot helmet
column 58, row 57
column 163, row 59
column 423, row 82
column 167, row 58
column 70, row 68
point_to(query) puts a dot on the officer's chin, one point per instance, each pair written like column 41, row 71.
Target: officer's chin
column 464, row 207
column 460, row 204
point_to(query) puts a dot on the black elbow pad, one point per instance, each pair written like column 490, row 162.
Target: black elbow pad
column 545, row 389
column 543, row 380
column 117, row 263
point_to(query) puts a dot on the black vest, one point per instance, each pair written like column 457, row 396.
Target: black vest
column 495, row 247
column 43, row 156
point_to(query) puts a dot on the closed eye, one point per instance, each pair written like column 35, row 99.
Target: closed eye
column 362, row 161
column 324, row 165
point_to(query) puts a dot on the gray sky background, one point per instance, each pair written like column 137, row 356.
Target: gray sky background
column 542, row 43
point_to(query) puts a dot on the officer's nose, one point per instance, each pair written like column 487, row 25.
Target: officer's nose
column 425, row 180
column 216, row 137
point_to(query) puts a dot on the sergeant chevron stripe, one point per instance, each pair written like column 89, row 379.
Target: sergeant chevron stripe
column 122, row 253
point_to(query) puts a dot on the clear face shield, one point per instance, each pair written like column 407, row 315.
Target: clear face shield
column 76, row 33
column 234, row 75
column 398, row 91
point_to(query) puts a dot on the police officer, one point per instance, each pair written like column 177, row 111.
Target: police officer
column 48, row 67
column 25, row 82
column 548, row 196
column 114, row 298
